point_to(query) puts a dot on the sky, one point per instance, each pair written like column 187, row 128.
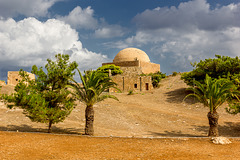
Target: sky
column 172, row 32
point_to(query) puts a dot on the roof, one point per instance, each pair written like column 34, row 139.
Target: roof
column 131, row 54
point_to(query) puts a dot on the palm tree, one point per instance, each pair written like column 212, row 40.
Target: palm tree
column 213, row 93
column 90, row 92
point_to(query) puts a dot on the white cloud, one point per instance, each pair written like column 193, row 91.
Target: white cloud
column 110, row 31
column 11, row 8
column 85, row 58
column 190, row 32
column 185, row 47
column 29, row 41
column 80, row 18
column 189, row 15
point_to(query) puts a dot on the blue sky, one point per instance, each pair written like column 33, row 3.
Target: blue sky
column 172, row 32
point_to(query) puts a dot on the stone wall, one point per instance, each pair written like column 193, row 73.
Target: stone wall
column 125, row 64
column 103, row 64
column 2, row 83
column 148, row 67
column 14, row 77
column 145, row 67
column 130, row 79
column 128, row 64
column 135, row 82
column 129, row 71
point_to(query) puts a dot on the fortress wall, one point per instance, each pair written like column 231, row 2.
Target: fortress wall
column 14, row 77
column 148, row 67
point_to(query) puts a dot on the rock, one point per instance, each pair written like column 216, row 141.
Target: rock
column 220, row 140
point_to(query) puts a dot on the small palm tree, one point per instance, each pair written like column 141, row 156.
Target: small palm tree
column 213, row 93
column 90, row 92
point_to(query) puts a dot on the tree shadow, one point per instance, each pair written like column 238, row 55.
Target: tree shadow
column 178, row 95
column 174, row 134
column 27, row 128
column 229, row 129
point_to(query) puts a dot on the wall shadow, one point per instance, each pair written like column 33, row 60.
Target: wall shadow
column 27, row 128
column 177, row 96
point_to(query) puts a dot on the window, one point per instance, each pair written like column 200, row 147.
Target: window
column 135, row 85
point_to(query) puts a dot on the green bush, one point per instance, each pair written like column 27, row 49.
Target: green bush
column 156, row 78
column 114, row 69
column 174, row 73
column 130, row 92
column 219, row 67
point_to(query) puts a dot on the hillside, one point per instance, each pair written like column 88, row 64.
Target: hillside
column 158, row 113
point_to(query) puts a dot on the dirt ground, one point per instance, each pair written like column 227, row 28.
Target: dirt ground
column 29, row 146
column 152, row 125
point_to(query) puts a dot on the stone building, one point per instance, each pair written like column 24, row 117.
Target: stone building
column 14, row 77
column 134, row 63
column 2, row 83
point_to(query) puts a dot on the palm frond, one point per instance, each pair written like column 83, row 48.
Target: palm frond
column 213, row 93
column 93, row 85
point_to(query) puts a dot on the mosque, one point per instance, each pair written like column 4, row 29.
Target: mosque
column 134, row 63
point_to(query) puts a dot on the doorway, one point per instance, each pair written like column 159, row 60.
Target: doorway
column 147, row 86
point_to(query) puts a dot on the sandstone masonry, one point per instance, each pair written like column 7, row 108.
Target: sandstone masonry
column 134, row 63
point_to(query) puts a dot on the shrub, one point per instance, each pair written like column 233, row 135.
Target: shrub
column 219, row 67
column 130, row 92
column 114, row 69
column 174, row 73
column 156, row 78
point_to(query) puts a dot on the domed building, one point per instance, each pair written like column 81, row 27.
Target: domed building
column 134, row 63
column 131, row 54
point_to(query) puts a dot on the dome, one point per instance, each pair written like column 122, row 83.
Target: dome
column 131, row 54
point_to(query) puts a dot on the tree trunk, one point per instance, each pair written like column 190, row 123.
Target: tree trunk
column 89, row 115
column 213, row 122
column 50, row 127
